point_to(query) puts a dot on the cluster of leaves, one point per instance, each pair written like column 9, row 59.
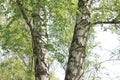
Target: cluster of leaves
column 60, row 25
column 106, row 10
column 13, row 68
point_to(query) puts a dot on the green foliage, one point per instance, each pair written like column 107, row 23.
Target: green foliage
column 106, row 10
column 15, row 36
column 60, row 28
column 13, row 69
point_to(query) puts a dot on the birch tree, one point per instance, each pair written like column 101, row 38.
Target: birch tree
column 77, row 53
column 25, row 38
column 84, row 21
column 39, row 40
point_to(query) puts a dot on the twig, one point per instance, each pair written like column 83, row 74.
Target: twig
column 24, row 15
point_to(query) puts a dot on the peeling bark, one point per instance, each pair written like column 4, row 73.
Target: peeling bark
column 75, row 70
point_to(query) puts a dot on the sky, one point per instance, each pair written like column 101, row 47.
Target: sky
column 109, row 42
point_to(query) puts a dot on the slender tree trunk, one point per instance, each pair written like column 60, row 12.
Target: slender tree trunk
column 39, row 40
column 75, row 69
column 39, row 49
column 40, row 59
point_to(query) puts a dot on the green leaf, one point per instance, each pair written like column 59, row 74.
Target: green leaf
column 49, row 46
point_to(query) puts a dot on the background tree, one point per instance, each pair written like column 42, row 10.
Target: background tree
column 25, row 24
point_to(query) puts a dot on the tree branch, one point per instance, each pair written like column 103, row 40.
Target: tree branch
column 24, row 15
column 109, row 60
column 106, row 22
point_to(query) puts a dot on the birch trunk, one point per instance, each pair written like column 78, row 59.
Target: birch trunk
column 75, row 69
column 39, row 50
column 39, row 40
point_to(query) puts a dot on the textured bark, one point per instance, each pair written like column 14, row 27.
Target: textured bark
column 40, row 58
column 39, row 49
column 39, row 40
column 75, row 70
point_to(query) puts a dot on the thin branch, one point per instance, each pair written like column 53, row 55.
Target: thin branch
column 109, row 60
column 106, row 22
column 24, row 15
column 23, row 60
column 25, row 18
